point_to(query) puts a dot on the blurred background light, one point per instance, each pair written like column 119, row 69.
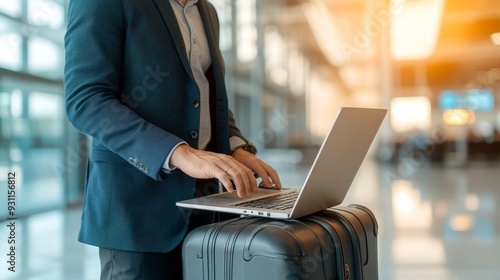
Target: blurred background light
column 247, row 35
column 324, row 30
column 495, row 38
column 456, row 117
column 415, row 29
column 11, row 7
column 410, row 113
column 463, row 222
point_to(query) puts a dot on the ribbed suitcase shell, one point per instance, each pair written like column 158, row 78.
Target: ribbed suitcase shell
column 338, row 243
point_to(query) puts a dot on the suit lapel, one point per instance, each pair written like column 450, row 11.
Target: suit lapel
column 171, row 21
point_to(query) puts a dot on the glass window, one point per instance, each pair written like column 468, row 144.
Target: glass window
column 11, row 7
column 4, row 105
column 33, row 128
column 10, row 50
column 45, row 13
column 44, row 57
column 46, row 114
column 32, row 146
column 16, row 103
column 44, row 105
column 275, row 51
column 247, row 30
column 224, row 11
column 4, row 122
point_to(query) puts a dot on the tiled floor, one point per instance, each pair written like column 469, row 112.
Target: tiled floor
column 436, row 223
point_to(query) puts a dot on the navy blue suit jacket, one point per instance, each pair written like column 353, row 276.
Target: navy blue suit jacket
column 129, row 86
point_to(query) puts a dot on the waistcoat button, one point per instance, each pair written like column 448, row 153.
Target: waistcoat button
column 194, row 134
column 195, row 103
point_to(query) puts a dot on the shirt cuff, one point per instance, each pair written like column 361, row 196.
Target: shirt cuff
column 166, row 167
column 235, row 141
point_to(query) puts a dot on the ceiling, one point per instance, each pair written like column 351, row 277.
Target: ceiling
column 464, row 54
column 465, row 51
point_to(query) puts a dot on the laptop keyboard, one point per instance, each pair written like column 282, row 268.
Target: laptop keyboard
column 279, row 202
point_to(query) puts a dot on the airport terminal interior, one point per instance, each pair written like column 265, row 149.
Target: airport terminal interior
column 431, row 176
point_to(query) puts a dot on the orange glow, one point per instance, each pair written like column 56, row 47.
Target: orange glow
column 456, row 117
column 462, row 222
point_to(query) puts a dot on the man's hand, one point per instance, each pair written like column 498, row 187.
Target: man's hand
column 237, row 169
column 269, row 176
column 207, row 165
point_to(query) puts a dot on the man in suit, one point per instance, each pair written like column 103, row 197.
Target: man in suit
column 145, row 79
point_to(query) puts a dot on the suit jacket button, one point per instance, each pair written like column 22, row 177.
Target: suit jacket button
column 195, row 103
column 194, row 134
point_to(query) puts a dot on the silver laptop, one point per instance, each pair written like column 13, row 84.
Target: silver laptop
column 327, row 183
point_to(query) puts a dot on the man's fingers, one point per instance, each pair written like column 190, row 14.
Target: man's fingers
column 270, row 178
column 233, row 174
column 237, row 177
column 241, row 180
column 226, row 182
column 274, row 175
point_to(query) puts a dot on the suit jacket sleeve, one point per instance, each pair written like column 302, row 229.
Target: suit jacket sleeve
column 94, row 55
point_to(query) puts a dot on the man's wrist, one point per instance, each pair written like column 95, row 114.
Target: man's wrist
column 167, row 167
column 236, row 142
column 249, row 147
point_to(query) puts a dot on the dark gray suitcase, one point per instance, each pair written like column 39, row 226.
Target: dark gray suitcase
column 337, row 243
